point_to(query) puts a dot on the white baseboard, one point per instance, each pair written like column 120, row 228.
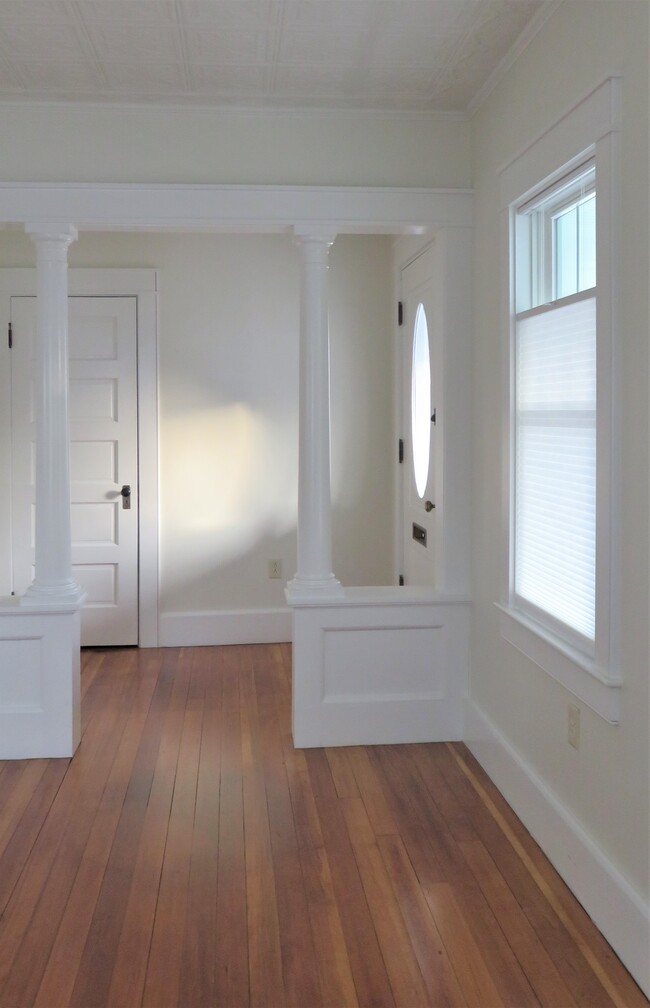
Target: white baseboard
column 225, row 626
column 614, row 906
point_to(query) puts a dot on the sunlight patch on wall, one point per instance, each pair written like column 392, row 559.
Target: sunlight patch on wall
column 236, row 470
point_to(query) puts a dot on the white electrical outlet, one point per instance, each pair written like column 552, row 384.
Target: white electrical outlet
column 275, row 568
column 574, row 726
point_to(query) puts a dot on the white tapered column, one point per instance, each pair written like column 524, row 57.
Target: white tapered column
column 314, row 576
column 53, row 581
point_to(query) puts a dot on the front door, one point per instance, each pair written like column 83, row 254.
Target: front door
column 103, row 460
column 420, row 518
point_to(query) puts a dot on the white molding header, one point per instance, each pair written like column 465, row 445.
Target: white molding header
column 576, row 132
column 233, row 208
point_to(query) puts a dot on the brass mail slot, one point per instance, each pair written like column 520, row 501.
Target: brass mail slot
column 419, row 534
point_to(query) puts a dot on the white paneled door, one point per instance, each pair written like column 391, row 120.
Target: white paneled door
column 103, row 459
column 420, row 418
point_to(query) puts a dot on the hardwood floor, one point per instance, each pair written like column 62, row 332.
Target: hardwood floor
column 188, row 855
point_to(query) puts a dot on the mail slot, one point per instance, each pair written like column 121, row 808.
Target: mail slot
column 419, row 534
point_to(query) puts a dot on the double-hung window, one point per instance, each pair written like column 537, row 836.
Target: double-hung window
column 559, row 602
column 554, row 518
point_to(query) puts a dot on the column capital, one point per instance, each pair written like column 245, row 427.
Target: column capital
column 311, row 237
column 63, row 234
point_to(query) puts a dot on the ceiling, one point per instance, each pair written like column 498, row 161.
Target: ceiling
column 370, row 54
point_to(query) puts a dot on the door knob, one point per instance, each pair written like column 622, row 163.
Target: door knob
column 126, row 496
column 429, row 505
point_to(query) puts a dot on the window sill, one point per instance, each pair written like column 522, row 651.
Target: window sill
column 574, row 671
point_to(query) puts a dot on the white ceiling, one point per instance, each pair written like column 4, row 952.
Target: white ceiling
column 372, row 54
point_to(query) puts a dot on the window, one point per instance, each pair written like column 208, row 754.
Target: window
column 421, row 401
column 554, row 515
column 559, row 603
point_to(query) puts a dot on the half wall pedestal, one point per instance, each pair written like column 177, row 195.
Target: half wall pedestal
column 379, row 666
column 39, row 680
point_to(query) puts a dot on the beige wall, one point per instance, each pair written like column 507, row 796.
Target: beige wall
column 99, row 144
column 228, row 375
column 604, row 784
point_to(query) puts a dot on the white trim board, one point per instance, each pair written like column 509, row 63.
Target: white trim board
column 235, row 208
column 609, row 899
column 143, row 284
column 225, row 626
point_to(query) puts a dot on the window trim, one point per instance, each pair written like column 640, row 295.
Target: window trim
column 589, row 129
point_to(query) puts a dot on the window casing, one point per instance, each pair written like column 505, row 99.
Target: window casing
column 560, row 285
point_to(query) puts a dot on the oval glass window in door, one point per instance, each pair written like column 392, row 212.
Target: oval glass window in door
column 421, row 401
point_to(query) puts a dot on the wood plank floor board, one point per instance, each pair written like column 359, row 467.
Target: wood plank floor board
column 162, row 983
column 31, row 916
column 426, row 760
column 17, row 787
column 536, row 963
column 413, row 826
column 19, row 847
column 340, row 762
column 34, row 947
column 265, row 958
column 566, row 901
column 197, row 967
column 470, row 965
column 93, row 978
column 126, row 972
column 373, row 792
column 507, row 974
column 368, row 967
column 303, row 801
column 401, row 962
column 585, row 985
column 188, row 855
column 332, row 961
column 65, row 956
column 512, row 983
column 231, row 939
column 443, row 988
column 298, row 955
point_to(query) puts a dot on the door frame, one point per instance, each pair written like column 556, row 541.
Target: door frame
column 143, row 285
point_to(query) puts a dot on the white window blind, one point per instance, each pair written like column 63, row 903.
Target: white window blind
column 555, row 464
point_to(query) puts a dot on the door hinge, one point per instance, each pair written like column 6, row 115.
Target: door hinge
column 400, row 313
column 10, row 336
column 400, row 450
column 401, row 580
column 433, row 417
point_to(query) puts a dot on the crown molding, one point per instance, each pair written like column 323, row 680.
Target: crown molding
column 252, row 111
column 522, row 42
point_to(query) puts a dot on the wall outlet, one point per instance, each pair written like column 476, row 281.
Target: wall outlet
column 574, row 726
column 275, row 568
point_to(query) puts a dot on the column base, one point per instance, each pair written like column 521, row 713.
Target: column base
column 301, row 590
column 68, row 594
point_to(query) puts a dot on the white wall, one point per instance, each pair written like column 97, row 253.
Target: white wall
column 143, row 144
column 228, row 346
column 604, row 786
